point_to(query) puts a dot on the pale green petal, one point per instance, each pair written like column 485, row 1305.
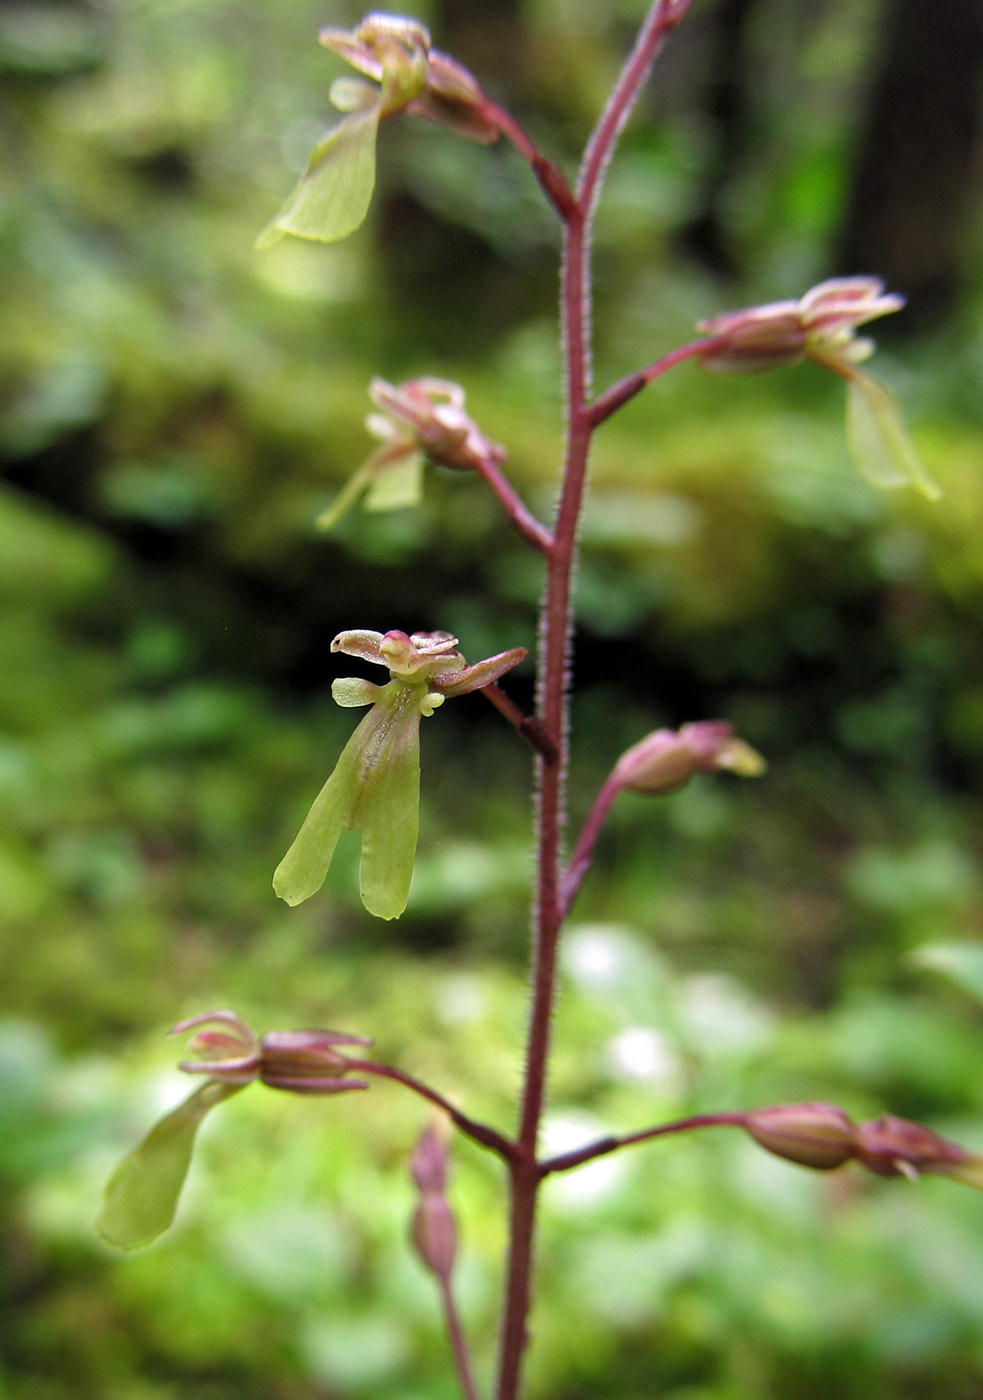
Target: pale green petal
column 398, row 485
column 351, row 692
column 388, row 806
column 877, row 438
column 333, row 197
column 352, row 94
column 143, row 1191
column 301, row 872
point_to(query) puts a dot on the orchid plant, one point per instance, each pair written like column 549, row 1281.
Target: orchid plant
column 376, row 781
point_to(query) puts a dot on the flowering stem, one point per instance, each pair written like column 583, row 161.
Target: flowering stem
column 556, row 626
column 478, row 1132
column 459, row 1345
column 522, row 518
column 611, row 1144
column 584, row 850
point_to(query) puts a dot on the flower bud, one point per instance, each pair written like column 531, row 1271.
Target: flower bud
column 428, row 1165
column 665, row 760
column 434, row 1231
column 435, row 1234
column 818, row 1135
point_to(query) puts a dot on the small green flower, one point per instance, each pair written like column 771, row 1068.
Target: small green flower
column 333, row 196
column 142, row 1194
column 421, row 420
column 375, row 785
column 822, row 326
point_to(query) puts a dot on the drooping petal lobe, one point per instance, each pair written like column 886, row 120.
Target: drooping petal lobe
column 876, row 435
column 302, row 871
column 142, row 1194
column 388, row 807
column 333, row 197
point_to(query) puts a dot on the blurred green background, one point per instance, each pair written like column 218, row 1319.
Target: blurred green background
column 174, row 411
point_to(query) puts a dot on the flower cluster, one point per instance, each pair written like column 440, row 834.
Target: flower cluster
column 422, row 419
column 822, row 1136
column 376, row 781
column 333, row 196
column 822, row 326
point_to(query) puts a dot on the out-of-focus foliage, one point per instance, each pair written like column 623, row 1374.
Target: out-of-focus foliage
column 175, row 410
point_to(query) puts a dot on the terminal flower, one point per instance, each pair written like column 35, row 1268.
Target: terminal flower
column 333, row 196
column 376, row 781
column 822, row 326
column 421, row 420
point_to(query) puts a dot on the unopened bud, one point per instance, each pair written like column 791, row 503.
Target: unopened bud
column 665, row 760
column 818, row 1135
column 434, row 1230
column 435, row 1234
column 428, row 1165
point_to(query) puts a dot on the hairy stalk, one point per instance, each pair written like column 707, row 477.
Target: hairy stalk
column 556, row 627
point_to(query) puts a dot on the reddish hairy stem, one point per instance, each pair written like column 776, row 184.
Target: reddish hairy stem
column 584, row 850
column 527, row 725
column 478, row 1132
column 556, row 625
column 603, row 1146
column 522, row 518
column 459, row 1345
column 663, row 16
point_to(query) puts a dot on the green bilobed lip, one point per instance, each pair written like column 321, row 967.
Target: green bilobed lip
column 333, row 197
column 142, row 1194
